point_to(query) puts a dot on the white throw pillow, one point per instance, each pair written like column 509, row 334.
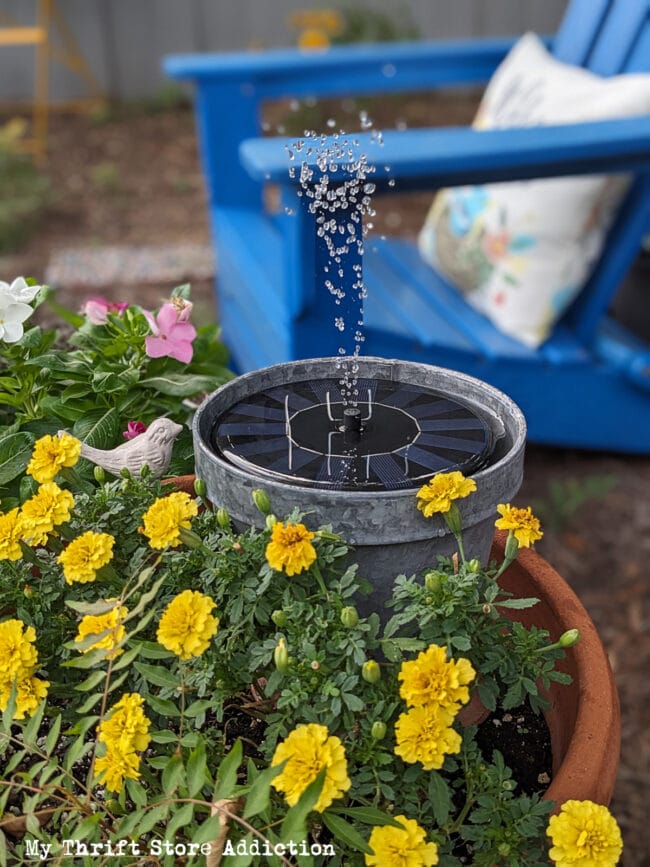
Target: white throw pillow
column 521, row 251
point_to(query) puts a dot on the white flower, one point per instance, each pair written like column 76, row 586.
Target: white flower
column 18, row 290
column 13, row 308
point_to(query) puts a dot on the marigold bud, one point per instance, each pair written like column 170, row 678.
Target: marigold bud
column 512, row 546
column 125, row 473
column 223, row 519
column 100, row 474
column 370, row 671
column 281, row 655
column 349, row 616
column 261, row 500
column 433, row 580
column 314, row 665
column 378, row 730
column 200, row 488
column 271, row 521
column 569, row 638
column 28, row 591
column 474, row 565
column 487, row 608
column 279, row 617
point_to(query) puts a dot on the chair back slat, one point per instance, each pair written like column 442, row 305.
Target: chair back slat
column 579, row 30
column 606, row 36
column 639, row 59
column 622, row 28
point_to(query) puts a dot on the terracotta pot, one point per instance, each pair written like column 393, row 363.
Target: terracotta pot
column 584, row 719
column 182, row 483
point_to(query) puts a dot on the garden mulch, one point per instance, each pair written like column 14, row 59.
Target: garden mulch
column 132, row 179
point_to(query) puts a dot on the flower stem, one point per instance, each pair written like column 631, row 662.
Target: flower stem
column 319, row 577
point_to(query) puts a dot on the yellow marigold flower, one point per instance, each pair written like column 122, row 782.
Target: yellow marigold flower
column 401, row 847
column 116, row 766
column 11, row 531
column 30, row 692
column 164, row 519
column 290, row 549
column 49, row 507
column 432, row 679
column 126, row 727
column 522, row 522
column 309, row 749
column 18, row 656
column 438, row 495
column 96, row 624
column 424, row 734
column 85, row 555
column 50, row 454
column 187, row 625
column 584, row 834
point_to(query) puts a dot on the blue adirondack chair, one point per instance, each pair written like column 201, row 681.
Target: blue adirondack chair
column 589, row 384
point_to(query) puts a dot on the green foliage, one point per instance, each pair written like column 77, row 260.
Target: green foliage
column 464, row 613
column 217, row 717
column 106, row 177
column 364, row 23
column 565, row 497
column 93, row 381
column 25, row 190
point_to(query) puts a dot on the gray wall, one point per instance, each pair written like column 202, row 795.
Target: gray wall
column 124, row 40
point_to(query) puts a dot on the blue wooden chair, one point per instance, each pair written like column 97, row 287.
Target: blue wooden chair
column 589, row 384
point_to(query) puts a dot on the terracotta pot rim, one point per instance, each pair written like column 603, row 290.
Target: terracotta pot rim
column 589, row 759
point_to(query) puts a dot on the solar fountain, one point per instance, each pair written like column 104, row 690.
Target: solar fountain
column 289, row 430
column 348, row 439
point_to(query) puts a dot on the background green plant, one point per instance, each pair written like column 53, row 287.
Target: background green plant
column 92, row 381
column 25, row 190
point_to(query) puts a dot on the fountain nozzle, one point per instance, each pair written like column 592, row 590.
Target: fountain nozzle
column 351, row 420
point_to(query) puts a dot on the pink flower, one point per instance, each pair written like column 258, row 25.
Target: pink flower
column 97, row 308
column 134, row 429
column 173, row 335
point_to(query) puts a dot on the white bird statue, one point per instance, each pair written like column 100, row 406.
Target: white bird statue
column 153, row 448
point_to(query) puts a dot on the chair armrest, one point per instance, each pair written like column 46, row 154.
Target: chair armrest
column 365, row 68
column 433, row 158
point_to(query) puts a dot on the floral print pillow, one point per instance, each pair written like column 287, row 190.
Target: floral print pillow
column 521, row 251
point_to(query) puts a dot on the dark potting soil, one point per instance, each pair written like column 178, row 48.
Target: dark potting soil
column 522, row 737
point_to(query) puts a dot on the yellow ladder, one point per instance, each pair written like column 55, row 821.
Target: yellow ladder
column 70, row 55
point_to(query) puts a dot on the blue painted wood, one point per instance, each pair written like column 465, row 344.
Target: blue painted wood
column 588, row 385
column 385, row 67
column 618, row 35
column 579, row 30
column 444, row 157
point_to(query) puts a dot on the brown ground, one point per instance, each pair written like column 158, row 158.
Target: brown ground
column 134, row 178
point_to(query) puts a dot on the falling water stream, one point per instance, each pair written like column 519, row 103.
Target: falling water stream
column 341, row 209
column 344, row 430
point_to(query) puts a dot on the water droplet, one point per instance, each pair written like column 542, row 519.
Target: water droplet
column 331, row 123
column 388, row 70
column 294, row 105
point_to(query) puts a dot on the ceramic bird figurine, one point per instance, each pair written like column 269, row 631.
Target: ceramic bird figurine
column 153, row 448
